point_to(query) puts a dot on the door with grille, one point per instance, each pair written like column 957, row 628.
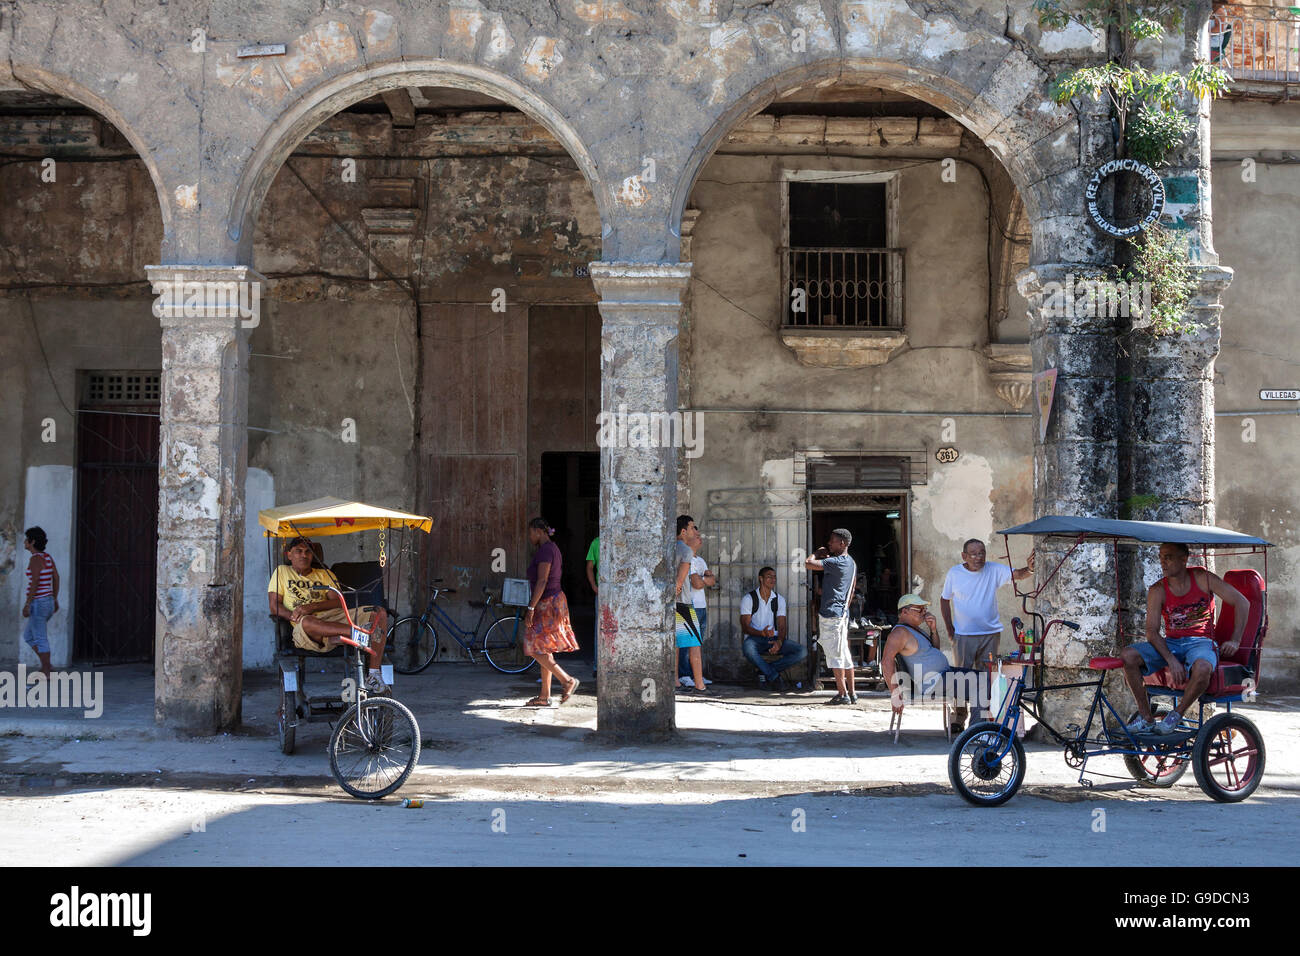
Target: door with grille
column 117, row 517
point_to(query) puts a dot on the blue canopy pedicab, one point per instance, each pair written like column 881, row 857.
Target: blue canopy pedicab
column 986, row 763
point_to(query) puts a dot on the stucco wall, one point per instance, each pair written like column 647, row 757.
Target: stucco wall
column 737, row 361
column 1257, row 228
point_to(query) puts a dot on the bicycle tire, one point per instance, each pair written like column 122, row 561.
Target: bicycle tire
column 287, row 719
column 412, row 644
column 966, row 755
column 374, row 747
column 505, row 651
column 1228, row 758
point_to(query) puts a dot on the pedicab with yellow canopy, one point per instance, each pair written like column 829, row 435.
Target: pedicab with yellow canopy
column 375, row 742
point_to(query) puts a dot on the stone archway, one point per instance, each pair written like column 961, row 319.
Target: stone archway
column 288, row 130
column 1025, row 147
column 59, row 85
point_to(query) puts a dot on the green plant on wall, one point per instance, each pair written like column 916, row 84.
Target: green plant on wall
column 1150, row 125
column 1145, row 103
column 1161, row 261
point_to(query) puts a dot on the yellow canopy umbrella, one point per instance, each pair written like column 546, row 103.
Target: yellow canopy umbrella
column 327, row 516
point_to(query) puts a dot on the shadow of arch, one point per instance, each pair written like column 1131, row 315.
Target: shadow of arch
column 322, row 102
column 955, row 99
column 60, row 85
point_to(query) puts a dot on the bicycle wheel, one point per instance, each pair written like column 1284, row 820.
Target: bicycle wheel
column 1153, row 768
column 287, row 719
column 412, row 645
column 503, row 646
column 976, row 771
column 374, row 747
column 1228, row 758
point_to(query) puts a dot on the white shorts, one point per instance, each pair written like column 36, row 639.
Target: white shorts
column 833, row 636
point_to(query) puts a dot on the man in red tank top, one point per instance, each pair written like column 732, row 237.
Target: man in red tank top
column 1184, row 600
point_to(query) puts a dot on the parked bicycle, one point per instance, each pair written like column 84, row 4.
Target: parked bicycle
column 413, row 640
column 376, row 743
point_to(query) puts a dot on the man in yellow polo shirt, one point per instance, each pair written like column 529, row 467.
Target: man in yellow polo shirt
column 318, row 620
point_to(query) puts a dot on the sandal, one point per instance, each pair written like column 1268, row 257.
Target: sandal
column 539, row 702
column 568, row 692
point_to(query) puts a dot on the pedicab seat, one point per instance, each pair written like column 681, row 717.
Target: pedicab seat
column 1229, row 679
column 1105, row 663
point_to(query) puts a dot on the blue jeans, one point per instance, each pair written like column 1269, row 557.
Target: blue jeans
column 684, row 653
column 34, row 631
column 791, row 654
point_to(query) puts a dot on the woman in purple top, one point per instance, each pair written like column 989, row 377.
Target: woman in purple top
column 547, row 630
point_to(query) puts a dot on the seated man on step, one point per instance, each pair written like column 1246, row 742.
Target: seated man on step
column 763, row 621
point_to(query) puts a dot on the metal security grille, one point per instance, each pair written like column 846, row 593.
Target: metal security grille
column 898, row 469
column 745, row 529
column 123, row 388
column 855, row 288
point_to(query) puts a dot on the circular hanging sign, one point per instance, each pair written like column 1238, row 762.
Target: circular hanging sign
column 1149, row 175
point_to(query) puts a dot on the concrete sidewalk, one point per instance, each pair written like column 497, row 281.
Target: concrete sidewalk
column 477, row 734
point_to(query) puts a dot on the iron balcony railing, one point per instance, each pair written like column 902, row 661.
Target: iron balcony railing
column 1256, row 43
column 843, row 288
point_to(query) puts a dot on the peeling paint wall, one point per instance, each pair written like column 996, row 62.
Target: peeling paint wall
column 737, row 361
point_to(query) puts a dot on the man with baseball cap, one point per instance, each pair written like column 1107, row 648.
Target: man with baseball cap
column 925, row 663
column 839, row 572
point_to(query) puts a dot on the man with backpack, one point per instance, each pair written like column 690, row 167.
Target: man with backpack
column 763, row 622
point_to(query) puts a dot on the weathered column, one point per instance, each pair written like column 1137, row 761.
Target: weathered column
column 205, row 312
column 1167, row 450
column 1075, row 468
column 640, row 310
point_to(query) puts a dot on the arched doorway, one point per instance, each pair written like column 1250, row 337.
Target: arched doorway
column 852, row 311
column 430, row 337
column 83, row 215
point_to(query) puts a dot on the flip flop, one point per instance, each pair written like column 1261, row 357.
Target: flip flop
column 539, row 702
column 570, row 691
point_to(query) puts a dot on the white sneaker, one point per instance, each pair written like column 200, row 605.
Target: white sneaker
column 376, row 687
column 707, row 682
column 686, row 681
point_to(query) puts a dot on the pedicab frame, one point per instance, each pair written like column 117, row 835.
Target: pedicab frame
column 986, row 764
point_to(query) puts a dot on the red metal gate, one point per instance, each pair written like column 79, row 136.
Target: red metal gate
column 117, row 529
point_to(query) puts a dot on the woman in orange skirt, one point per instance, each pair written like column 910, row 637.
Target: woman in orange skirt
column 547, row 630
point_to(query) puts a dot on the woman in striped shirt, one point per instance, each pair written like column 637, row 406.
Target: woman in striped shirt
column 42, row 596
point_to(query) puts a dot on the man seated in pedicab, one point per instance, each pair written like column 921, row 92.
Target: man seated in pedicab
column 929, row 673
column 1184, row 600
column 318, row 620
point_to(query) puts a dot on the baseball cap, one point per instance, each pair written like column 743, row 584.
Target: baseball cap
column 845, row 534
column 912, row 600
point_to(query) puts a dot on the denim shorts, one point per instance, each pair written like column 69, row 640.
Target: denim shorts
column 34, row 631
column 1186, row 650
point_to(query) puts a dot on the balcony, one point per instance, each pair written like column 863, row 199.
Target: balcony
column 843, row 307
column 1256, row 43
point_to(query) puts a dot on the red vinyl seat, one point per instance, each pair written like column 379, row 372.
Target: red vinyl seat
column 1230, row 676
column 1105, row 663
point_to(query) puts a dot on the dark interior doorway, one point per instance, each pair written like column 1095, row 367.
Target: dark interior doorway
column 571, row 503
column 117, row 517
column 879, row 538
